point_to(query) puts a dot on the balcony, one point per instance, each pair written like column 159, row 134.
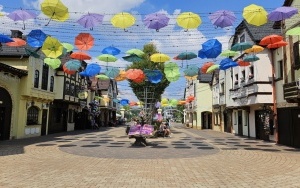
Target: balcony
column 291, row 92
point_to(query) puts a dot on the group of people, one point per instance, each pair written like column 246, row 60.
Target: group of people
column 165, row 129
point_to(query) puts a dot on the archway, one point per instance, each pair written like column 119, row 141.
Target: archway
column 5, row 114
column 206, row 120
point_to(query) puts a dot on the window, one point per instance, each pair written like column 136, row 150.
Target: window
column 77, row 89
column 45, row 77
column 236, row 79
column 251, row 72
column 72, row 89
column 279, row 70
column 242, row 38
column 36, row 78
column 32, row 115
column 243, row 76
column 222, row 86
column 217, row 119
column 296, row 54
column 71, row 116
column 52, row 83
column 67, row 88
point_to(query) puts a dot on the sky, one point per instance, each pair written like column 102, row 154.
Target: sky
column 170, row 40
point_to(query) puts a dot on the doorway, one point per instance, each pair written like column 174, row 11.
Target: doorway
column 5, row 114
column 260, row 119
column 240, row 123
column 44, row 122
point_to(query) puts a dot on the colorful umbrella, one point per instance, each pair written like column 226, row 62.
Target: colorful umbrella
column 173, row 78
column 254, row 49
column 107, row 58
column 32, row 53
column 121, row 76
column 229, row 53
column 251, row 58
column 228, row 65
column 154, row 76
column 188, row 20
column 21, row 15
column 5, row 39
column 191, row 77
column 186, row 56
column 55, row 9
column 132, row 74
column 277, row 44
column 92, row 69
column 124, row 102
column 206, row 66
column 90, row 20
column 255, row 15
column 241, row 46
column 135, row 51
column 17, row 42
column 102, row 77
column 73, row 65
column 212, row 68
column 69, row 47
column 84, row 41
column 156, row 20
column 191, row 71
column 159, row 58
column 210, row 49
column 122, row 20
column 52, row 47
column 67, row 70
column 80, row 56
column 222, row 18
column 294, row 31
column 282, row 13
column 132, row 58
column 111, row 50
column 270, row 39
column 36, row 38
column 243, row 63
column 53, row 63
column 112, row 72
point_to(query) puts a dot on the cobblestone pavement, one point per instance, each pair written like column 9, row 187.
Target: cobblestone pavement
column 106, row 158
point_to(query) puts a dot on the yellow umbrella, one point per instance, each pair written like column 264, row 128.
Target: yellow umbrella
column 159, row 58
column 191, row 77
column 255, row 15
column 188, row 20
column 121, row 76
column 254, row 49
column 122, row 20
column 52, row 47
column 55, row 9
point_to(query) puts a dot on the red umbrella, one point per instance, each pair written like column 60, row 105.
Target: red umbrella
column 243, row 63
column 84, row 41
column 80, row 56
column 270, row 39
column 206, row 66
column 277, row 44
column 17, row 42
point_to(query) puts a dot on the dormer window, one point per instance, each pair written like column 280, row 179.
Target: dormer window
column 242, row 38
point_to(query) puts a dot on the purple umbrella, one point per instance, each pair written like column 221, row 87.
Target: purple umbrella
column 282, row 13
column 22, row 15
column 156, row 20
column 222, row 18
column 90, row 20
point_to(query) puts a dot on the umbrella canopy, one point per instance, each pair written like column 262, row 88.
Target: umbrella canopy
column 251, row 58
column 241, row 46
column 154, row 76
column 171, row 71
column 67, row 70
column 132, row 74
column 21, row 15
column 206, row 66
column 212, row 68
column 107, row 58
column 36, row 38
column 111, row 50
column 84, row 41
column 121, row 76
column 188, row 20
column 191, row 71
column 156, row 20
column 83, row 73
column 229, row 53
column 122, row 20
column 90, row 20
column 17, row 42
column 5, row 39
column 270, row 39
column 92, row 69
column 80, row 56
column 73, row 65
column 210, row 49
column 159, row 58
column 226, row 61
column 102, row 77
column 255, row 15
column 135, row 51
column 52, row 47
column 55, row 9
column 243, row 63
column 294, row 31
column 282, row 13
column 277, row 44
column 191, row 77
column 124, row 102
column 32, row 53
column 112, row 72
column 53, row 63
column 228, row 65
column 254, row 49
column 173, row 78
column 222, row 18
column 69, row 47
column 186, row 56
column 132, row 58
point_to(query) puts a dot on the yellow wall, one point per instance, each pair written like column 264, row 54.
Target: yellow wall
column 204, row 100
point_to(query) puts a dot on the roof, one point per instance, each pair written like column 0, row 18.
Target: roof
column 204, row 78
column 256, row 33
column 19, row 72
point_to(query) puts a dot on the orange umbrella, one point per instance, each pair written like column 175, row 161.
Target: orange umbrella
column 84, row 41
column 277, row 44
column 121, row 76
column 254, row 49
column 17, row 42
column 132, row 103
column 243, row 63
column 66, row 70
column 206, row 66
column 190, row 98
column 181, row 102
column 270, row 39
column 80, row 56
column 132, row 74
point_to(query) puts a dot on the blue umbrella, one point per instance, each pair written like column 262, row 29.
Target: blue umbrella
column 5, row 39
column 154, row 76
column 111, row 50
column 92, row 69
column 211, row 49
column 227, row 63
column 124, row 102
column 83, row 73
column 73, row 65
column 36, row 38
column 156, row 20
column 116, row 100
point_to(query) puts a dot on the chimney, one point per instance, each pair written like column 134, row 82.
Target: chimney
column 16, row 34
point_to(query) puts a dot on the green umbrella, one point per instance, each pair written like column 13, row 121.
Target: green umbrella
column 173, row 102
column 32, row 53
column 112, row 72
column 191, row 71
column 132, row 58
column 228, row 53
column 212, row 68
column 241, row 46
column 135, row 51
column 107, row 58
column 53, row 63
column 170, row 67
column 173, row 78
column 294, row 31
column 68, row 46
column 102, row 77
